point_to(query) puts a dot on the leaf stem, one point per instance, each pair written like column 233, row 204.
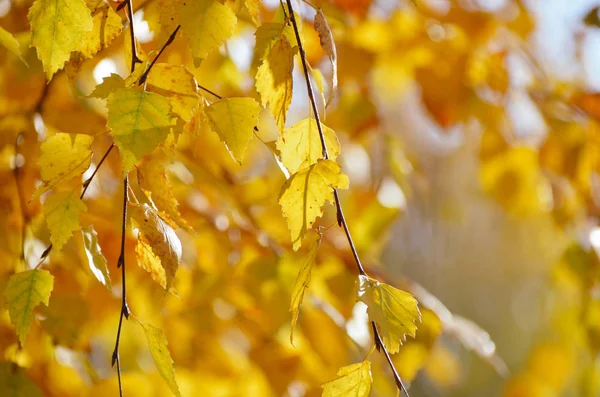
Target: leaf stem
column 169, row 41
column 340, row 213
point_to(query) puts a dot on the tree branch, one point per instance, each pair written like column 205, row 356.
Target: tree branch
column 340, row 213
column 169, row 41
column 22, row 203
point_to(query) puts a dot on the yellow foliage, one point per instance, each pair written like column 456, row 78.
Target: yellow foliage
column 62, row 211
column 353, row 380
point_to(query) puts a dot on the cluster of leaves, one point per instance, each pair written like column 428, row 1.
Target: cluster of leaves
column 234, row 240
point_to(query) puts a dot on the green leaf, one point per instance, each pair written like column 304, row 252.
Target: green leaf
column 15, row 383
column 139, row 121
column 206, row 24
column 62, row 211
column 157, row 342
column 302, row 283
column 57, row 28
column 354, row 380
column 96, row 259
column 304, row 194
column 396, row 312
column 64, row 157
column 23, row 293
column 234, row 120
column 300, row 145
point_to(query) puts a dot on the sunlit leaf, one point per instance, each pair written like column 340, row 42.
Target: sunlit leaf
column 93, row 253
column 23, row 293
column 328, row 45
column 62, row 211
column 64, row 157
column 177, row 84
column 395, row 312
column 11, row 44
column 157, row 343
column 354, row 380
column 304, row 194
column 107, row 27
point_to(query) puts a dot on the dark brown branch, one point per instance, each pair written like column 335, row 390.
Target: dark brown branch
column 169, row 41
column 134, row 57
column 210, row 92
column 340, row 213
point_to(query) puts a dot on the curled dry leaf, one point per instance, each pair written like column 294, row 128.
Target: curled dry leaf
column 328, row 45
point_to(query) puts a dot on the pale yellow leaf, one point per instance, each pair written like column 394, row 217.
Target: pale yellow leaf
column 176, row 83
column 304, row 194
column 206, row 24
column 64, row 157
column 157, row 343
column 93, row 253
column 160, row 237
column 57, row 28
column 62, row 211
column 328, row 45
column 274, row 80
column 107, row 27
column 234, row 120
column 300, row 145
column 23, row 293
column 395, row 312
column 266, row 36
column 302, row 283
column 139, row 122
column 149, row 262
column 108, row 86
column 353, row 380
column 11, row 44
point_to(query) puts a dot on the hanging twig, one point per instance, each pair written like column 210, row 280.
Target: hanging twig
column 340, row 213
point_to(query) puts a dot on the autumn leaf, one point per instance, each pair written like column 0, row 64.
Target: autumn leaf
column 234, row 120
column 266, row 36
column 108, row 86
column 157, row 343
column 328, row 45
column 206, row 24
column 139, row 122
column 11, row 44
column 302, row 282
column 274, row 80
column 57, row 28
column 23, row 293
column 62, row 211
column 300, row 145
column 64, row 157
column 354, row 380
column 107, row 27
column 304, row 194
column 394, row 311
column 93, row 253
column 160, row 238
column 177, row 84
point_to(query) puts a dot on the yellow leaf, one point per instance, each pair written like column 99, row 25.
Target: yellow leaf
column 107, row 27
column 93, row 252
column 353, row 380
column 151, row 263
column 64, row 157
column 394, row 311
column 300, row 145
column 234, row 120
column 206, row 24
column 153, row 180
column 302, row 283
column 304, row 194
column 160, row 237
column 178, row 84
column 11, row 44
column 139, row 122
column 62, row 211
column 157, row 342
column 57, row 27
column 15, row 383
column 274, row 80
column 23, row 293
column 328, row 45
column 108, row 86
column 267, row 35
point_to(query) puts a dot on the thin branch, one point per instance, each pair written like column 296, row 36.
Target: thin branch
column 340, row 213
column 134, row 56
column 22, row 203
column 210, row 92
column 169, row 41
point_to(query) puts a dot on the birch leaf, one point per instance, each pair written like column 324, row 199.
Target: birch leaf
column 107, row 27
column 96, row 260
column 57, row 28
column 157, row 342
column 234, row 120
column 353, row 380
column 304, row 194
column 328, row 45
column 62, row 211
column 178, row 84
column 23, row 293
column 274, row 80
column 139, row 122
column 64, row 157
column 11, row 44
column 396, row 312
